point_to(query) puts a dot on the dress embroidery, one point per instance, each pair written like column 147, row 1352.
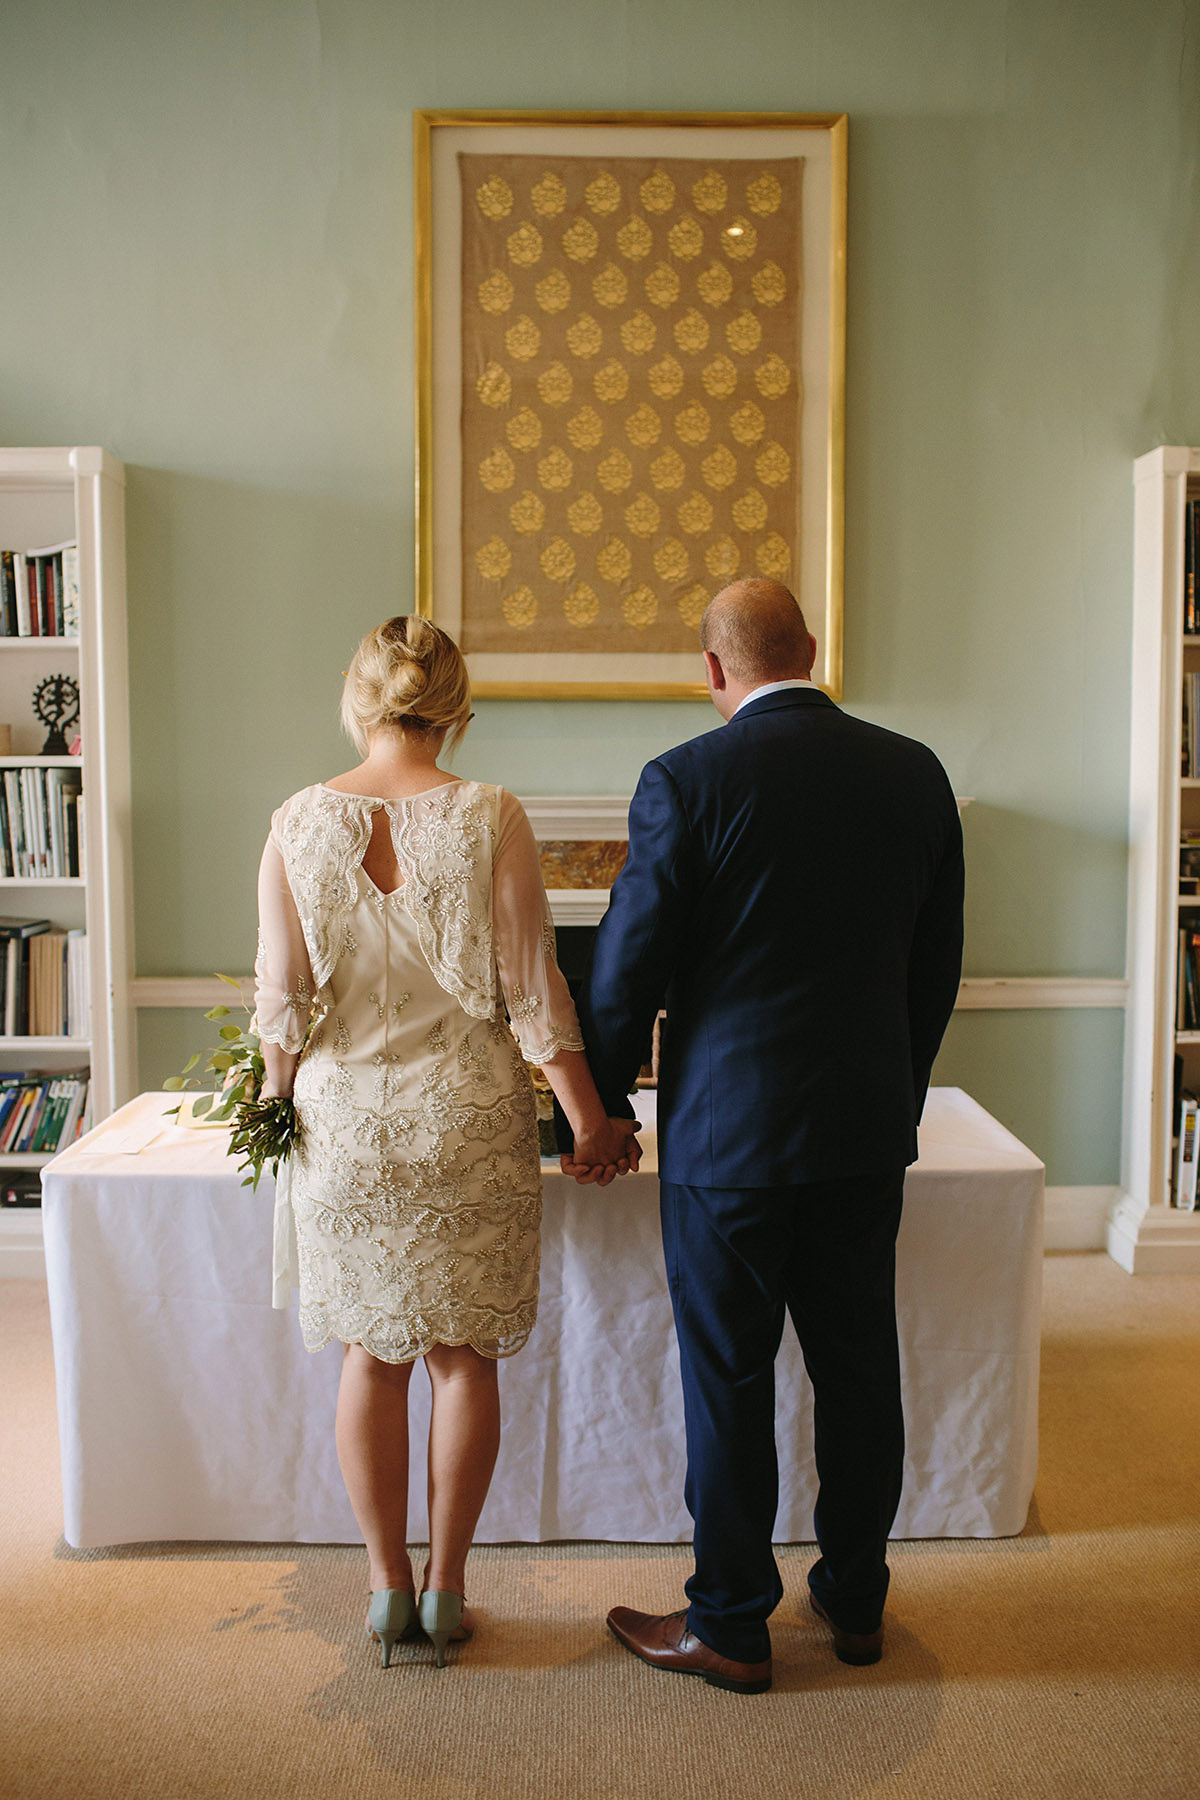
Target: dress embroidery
column 416, row 1185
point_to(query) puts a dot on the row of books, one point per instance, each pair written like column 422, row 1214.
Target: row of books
column 1187, row 983
column 1191, row 566
column 43, row 980
column 42, row 1112
column 41, row 822
column 39, row 592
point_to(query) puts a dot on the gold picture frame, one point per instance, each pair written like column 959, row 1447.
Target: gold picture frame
column 669, row 410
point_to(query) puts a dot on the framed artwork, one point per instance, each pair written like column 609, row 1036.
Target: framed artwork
column 631, row 370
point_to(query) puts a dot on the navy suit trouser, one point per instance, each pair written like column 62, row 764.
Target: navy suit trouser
column 737, row 1260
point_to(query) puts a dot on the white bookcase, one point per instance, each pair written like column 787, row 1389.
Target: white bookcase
column 50, row 496
column 1146, row 1234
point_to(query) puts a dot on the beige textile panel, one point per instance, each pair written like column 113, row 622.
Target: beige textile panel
column 631, row 394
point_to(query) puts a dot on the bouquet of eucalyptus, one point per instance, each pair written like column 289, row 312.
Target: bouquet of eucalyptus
column 264, row 1131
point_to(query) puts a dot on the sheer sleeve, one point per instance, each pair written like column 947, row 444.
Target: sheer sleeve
column 283, row 989
column 540, row 1008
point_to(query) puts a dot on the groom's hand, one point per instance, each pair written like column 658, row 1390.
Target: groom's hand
column 604, row 1154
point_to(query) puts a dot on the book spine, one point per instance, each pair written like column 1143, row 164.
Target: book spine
column 1185, row 1174
column 70, row 571
column 22, row 586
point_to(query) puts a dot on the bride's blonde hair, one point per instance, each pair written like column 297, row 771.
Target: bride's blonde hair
column 408, row 673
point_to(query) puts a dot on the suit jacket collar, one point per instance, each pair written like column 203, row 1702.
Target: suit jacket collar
column 783, row 697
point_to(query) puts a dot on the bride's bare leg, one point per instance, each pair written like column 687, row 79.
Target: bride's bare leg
column 372, row 1447
column 464, row 1436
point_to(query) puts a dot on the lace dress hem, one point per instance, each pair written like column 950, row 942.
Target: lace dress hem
column 377, row 1333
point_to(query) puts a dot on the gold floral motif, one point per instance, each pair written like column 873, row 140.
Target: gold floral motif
column 638, row 333
column 635, row 240
column 497, row 471
column 557, row 560
column 747, row 423
column 553, row 292
column 666, row 378
column 610, row 286
column 528, row 513
column 662, row 285
column 764, row 194
column 686, row 239
column 586, row 429
column 739, row 239
column 691, row 332
column 555, row 471
column 523, row 340
column 719, row 468
column 722, row 558
column 692, row 605
column 611, row 382
column 584, row 337
column 750, row 512
column 744, row 333
column 581, row 241
column 769, row 284
column 643, row 426
column 668, row 470
column 613, row 561
column 585, row 515
column 520, row 608
column 549, row 196
column 642, row 516
column 640, row 608
column 494, row 386
column 671, row 561
column 714, row 284
column 525, row 245
column 554, row 384
column 524, row 430
column 692, row 424
column 773, row 557
column 710, row 192
column 657, row 192
column 496, row 292
column 695, row 515
column 603, row 194
column 495, row 198
column 493, row 559
column 581, row 605
column 615, row 472
column 719, row 377
column 773, row 378
column 773, row 465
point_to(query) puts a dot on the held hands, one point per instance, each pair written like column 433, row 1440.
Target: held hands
column 609, row 1149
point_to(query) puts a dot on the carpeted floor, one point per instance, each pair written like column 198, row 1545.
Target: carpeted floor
column 1061, row 1664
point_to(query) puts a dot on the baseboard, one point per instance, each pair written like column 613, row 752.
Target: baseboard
column 21, row 1251
column 1077, row 1217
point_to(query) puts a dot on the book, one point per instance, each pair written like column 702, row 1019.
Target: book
column 1185, row 1172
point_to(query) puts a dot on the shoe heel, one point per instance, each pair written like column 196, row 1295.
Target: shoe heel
column 441, row 1616
column 388, row 1618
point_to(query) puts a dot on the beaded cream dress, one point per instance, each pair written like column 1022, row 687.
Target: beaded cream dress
column 416, row 1187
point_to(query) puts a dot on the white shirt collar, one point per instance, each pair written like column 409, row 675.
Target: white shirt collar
column 771, row 687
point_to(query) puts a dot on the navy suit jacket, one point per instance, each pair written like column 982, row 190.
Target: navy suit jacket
column 793, row 896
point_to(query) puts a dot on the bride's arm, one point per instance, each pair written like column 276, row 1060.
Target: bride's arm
column 283, row 989
column 540, row 1008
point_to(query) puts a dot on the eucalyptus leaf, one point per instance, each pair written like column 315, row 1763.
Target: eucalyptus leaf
column 230, row 1032
column 220, row 1061
column 173, row 1083
column 191, row 1062
column 201, row 1104
column 217, row 1012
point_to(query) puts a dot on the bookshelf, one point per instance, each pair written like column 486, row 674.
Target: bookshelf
column 1146, row 1234
column 48, row 497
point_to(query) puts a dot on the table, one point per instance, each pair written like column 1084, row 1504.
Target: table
column 189, row 1409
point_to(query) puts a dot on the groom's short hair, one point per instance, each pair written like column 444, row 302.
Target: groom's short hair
column 757, row 631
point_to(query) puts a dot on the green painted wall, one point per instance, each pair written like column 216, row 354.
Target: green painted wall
column 207, row 215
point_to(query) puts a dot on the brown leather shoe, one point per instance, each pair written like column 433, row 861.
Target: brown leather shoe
column 666, row 1643
column 857, row 1647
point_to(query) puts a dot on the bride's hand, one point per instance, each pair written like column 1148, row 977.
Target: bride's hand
column 605, row 1152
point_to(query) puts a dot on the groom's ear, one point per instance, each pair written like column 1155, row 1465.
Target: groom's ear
column 714, row 671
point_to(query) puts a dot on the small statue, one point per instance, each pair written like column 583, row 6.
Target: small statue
column 56, row 704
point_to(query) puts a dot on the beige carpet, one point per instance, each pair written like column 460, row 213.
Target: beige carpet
column 1060, row 1664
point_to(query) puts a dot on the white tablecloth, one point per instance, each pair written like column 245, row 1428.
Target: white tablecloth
column 189, row 1409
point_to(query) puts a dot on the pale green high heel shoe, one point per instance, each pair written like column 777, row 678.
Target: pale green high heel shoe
column 441, row 1618
column 389, row 1616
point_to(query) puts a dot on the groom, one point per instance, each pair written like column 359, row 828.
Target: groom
column 793, row 896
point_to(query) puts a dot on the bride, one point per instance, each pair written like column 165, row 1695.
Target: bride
column 402, row 917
